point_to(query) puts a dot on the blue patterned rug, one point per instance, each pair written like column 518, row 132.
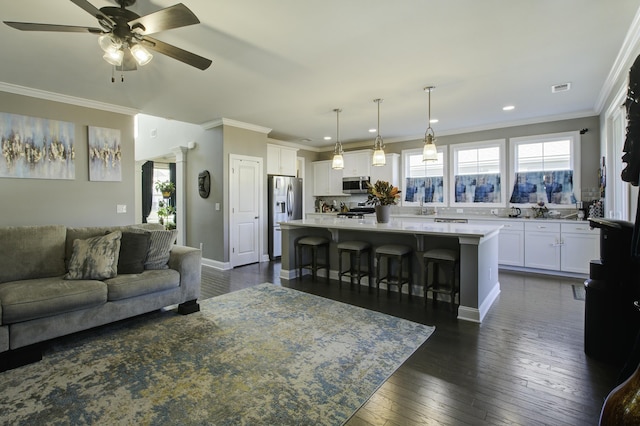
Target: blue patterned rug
column 265, row 355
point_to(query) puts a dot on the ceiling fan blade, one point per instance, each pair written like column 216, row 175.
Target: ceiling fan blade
column 128, row 62
column 177, row 53
column 30, row 26
column 175, row 16
column 92, row 10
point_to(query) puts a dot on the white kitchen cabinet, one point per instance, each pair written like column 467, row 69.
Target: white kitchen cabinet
column 580, row 245
column 543, row 244
column 281, row 160
column 390, row 172
column 511, row 244
column 357, row 163
column 326, row 181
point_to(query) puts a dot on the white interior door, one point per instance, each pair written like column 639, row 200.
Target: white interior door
column 245, row 196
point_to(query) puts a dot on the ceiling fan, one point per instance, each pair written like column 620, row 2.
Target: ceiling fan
column 124, row 35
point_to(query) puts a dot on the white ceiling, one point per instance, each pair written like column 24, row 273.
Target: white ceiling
column 286, row 64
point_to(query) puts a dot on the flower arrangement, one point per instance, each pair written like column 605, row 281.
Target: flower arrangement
column 540, row 210
column 382, row 193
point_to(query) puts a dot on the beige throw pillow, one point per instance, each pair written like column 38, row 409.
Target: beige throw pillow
column 95, row 258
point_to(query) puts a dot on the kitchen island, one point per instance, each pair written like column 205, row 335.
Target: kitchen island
column 478, row 246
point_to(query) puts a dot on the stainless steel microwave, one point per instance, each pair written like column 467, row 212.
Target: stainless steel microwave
column 355, row 185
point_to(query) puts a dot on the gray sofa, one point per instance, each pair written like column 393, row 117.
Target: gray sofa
column 41, row 299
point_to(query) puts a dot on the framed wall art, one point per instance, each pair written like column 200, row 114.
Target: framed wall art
column 36, row 148
column 105, row 156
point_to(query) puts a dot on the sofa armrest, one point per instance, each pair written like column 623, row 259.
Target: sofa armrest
column 188, row 262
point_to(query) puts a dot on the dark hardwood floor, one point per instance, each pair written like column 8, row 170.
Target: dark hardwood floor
column 524, row 365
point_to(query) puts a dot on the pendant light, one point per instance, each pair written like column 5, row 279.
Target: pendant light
column 429, row 152
column 379, row 159
column 338, row 160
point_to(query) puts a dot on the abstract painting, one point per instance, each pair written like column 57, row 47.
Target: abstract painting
column 36, row 148
column 105, row 156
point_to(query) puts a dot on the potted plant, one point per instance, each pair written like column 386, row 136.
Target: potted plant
column 166, row 188
column 382, row 195
column 164, row 211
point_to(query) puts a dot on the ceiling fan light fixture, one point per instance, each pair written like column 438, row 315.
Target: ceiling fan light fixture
column 141, row 55
column 114, row 57
column 109, row 43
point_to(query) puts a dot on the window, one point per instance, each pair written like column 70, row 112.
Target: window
column 423, row 181
column 477, row 173
column 160, row 173
column 544, row 169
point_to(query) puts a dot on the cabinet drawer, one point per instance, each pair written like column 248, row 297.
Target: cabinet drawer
column 539, row 226
column 512, row 226
column 578, row 228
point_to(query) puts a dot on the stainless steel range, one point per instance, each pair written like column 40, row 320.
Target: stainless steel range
column 357, row 212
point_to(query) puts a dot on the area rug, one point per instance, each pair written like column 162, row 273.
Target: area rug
column 265, row 355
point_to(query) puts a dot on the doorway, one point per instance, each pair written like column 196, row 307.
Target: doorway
column 245, row 207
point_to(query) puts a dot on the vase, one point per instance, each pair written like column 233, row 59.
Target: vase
column 382, row 213
column 622, row 406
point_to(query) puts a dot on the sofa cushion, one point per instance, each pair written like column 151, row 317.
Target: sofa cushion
column 38, row 298
column 31, row 252
column 132, row 285
column 133, row 252
column 95, row 258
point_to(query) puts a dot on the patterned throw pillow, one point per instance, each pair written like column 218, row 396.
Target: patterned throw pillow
column 95, row 258
column 160, row 245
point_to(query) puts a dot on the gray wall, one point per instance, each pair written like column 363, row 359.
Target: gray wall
column 76, row 202
column 589, row 153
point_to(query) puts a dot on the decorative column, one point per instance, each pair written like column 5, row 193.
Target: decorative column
column 180, row 153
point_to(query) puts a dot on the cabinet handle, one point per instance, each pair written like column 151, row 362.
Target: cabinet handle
column 541, row 227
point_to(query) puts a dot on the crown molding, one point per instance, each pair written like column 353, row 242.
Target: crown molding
column 629, row 47
column 71, row 100
column 234, row 123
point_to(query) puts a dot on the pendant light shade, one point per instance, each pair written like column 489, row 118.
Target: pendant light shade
column 338, row 160
column 429, row 152
column 379, row 159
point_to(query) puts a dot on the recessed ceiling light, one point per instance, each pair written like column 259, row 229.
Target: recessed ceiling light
column 508, row 108
column 327, row 138
column 373, row 130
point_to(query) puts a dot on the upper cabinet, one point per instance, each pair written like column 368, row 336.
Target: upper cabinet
column 281, row 160
column 390, row 172
column 326, row 181
column 357, row 163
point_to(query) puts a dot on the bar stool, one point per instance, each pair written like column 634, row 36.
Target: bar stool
column 449, row 261
column 312, row 244
column 355, row 250
column 393, row 253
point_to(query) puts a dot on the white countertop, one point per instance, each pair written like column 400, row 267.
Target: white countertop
column 407, row 225
column 470, row 217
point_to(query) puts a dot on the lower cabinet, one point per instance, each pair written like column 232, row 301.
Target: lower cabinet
column 566, row 247
column 542, row 250
column 580, row 245
column 511, row 244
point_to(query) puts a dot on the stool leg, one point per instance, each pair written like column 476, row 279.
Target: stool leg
column 409, row 275
column 314, row 263
column 426, row 281
column 378, row 273
column 370, row 261
column 299, row 260
column 400, row 262
column 358, row 278
column 340, row 252
column 327, row 262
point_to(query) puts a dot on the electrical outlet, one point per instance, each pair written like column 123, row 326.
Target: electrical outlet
column 121, row 208
column 494, row 211
column 459, row 210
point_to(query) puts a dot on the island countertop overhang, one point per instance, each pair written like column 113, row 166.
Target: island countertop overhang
column 403, row 226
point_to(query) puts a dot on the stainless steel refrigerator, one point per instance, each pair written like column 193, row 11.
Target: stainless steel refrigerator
column 285, row 204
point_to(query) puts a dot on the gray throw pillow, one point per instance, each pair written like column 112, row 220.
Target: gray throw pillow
column 95, row 258
column 160, row 245
column 133, row 252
